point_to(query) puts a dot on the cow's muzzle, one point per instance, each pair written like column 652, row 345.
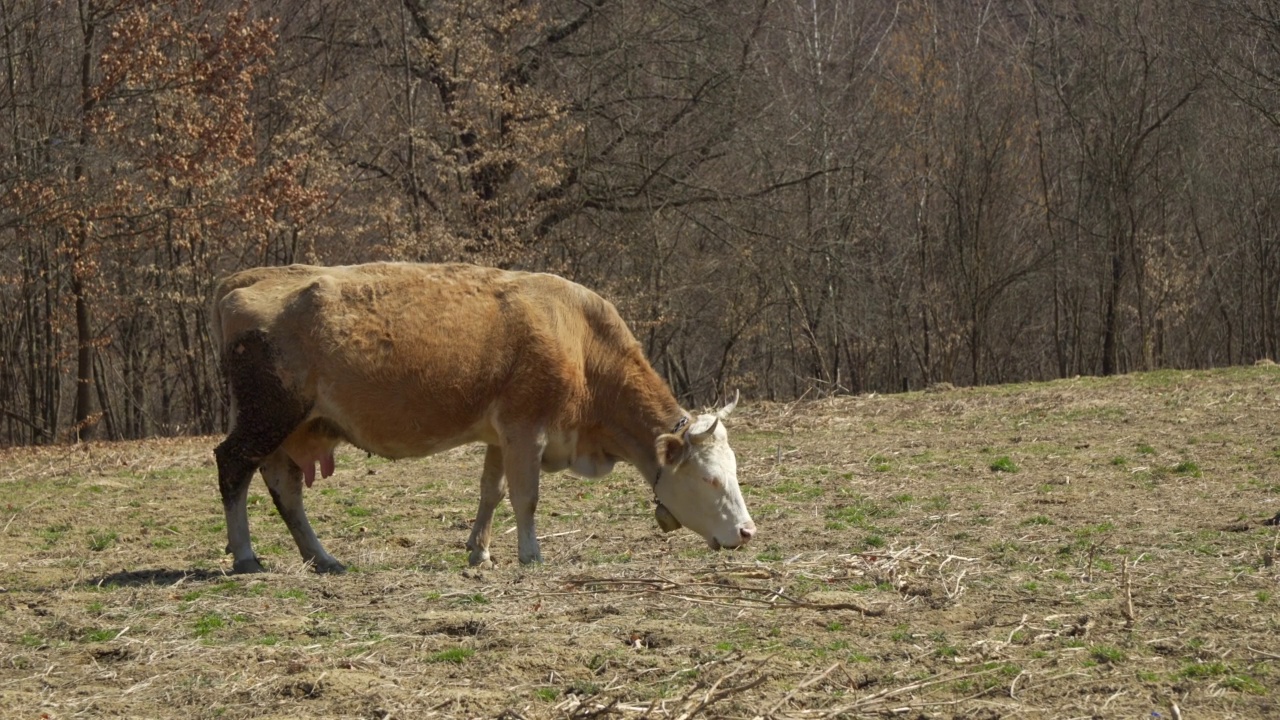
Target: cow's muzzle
column 745, row 533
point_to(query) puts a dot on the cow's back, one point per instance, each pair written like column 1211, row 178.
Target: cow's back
column 406, row 359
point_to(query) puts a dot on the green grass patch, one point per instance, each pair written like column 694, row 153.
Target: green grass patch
column 583, row 688
column 1107, row 654
column 1003, row 464
column 100, row 635
column 857, row 512
column 795, row 489
column 1243, row 683
column 225, row 588
column 1199, row 671
column 207, row 624
column 1186, row 467
column 769, row 554
column 51, row 534
column 457, row 656
column 937, row 503
column 1005, row 552
column 101, row 540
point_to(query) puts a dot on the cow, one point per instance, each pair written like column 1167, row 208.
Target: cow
column 406, row 360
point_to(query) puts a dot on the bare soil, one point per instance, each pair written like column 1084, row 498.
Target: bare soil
column 1081, row 548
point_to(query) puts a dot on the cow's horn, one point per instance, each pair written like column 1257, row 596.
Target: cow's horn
column 700, row 437
column 723, row 412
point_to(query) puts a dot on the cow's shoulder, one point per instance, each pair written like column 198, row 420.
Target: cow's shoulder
column 600, row 321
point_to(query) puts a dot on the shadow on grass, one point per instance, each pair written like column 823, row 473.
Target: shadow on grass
column 159, row 576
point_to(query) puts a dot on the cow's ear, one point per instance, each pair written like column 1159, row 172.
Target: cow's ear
column 671, row 450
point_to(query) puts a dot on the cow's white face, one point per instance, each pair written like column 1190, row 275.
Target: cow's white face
column 698, row 484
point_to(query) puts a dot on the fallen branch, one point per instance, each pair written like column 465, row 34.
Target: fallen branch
column 1263, row 653
column 682, row 591
column 877, row 701
column 807, row 683
column 712, row 697
column 1127, row 608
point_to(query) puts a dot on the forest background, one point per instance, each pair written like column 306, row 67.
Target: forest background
column 787, row 197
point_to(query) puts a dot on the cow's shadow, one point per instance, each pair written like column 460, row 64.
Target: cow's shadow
column 158, row 576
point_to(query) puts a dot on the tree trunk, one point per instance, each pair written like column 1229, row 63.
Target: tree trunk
column 85, row 420
column 1111, row 319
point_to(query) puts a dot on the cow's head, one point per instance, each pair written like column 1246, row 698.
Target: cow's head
column 698, row 483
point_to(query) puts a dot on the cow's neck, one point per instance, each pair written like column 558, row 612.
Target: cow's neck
column 644, row 411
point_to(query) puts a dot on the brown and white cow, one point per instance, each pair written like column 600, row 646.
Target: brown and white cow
column 406, row 360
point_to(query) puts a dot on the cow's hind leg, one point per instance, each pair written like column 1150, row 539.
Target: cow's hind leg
column 493, row 488
column 235, row 470
column 264, row 413
column 284, row 480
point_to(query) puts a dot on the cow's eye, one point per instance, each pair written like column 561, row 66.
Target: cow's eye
column 713, row 481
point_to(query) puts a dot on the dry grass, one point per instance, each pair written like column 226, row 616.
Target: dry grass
column 1071, row 549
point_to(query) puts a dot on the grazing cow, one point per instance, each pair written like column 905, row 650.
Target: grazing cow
column 406, row 360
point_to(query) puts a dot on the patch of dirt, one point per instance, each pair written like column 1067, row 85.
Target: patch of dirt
column 1081, row 548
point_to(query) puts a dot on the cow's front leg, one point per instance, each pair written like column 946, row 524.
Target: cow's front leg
column 284, row 481
column 235, row 471
column 522, row 458
column 492, row 489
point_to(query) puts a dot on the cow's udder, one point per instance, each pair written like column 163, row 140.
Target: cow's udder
column 308, row 465
column 306, row 449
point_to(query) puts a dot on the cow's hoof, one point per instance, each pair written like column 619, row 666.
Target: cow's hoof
column 480, row 559
column 248, row 565
column 329, row 567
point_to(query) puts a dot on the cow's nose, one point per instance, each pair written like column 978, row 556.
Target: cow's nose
column 747, row 532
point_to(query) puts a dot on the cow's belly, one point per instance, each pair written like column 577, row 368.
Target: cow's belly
column 415, row 440
column 403, row 425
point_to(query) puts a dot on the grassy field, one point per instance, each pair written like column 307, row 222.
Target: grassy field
column 1081, row 548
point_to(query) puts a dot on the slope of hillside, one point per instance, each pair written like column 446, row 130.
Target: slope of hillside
column 1087, row 547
